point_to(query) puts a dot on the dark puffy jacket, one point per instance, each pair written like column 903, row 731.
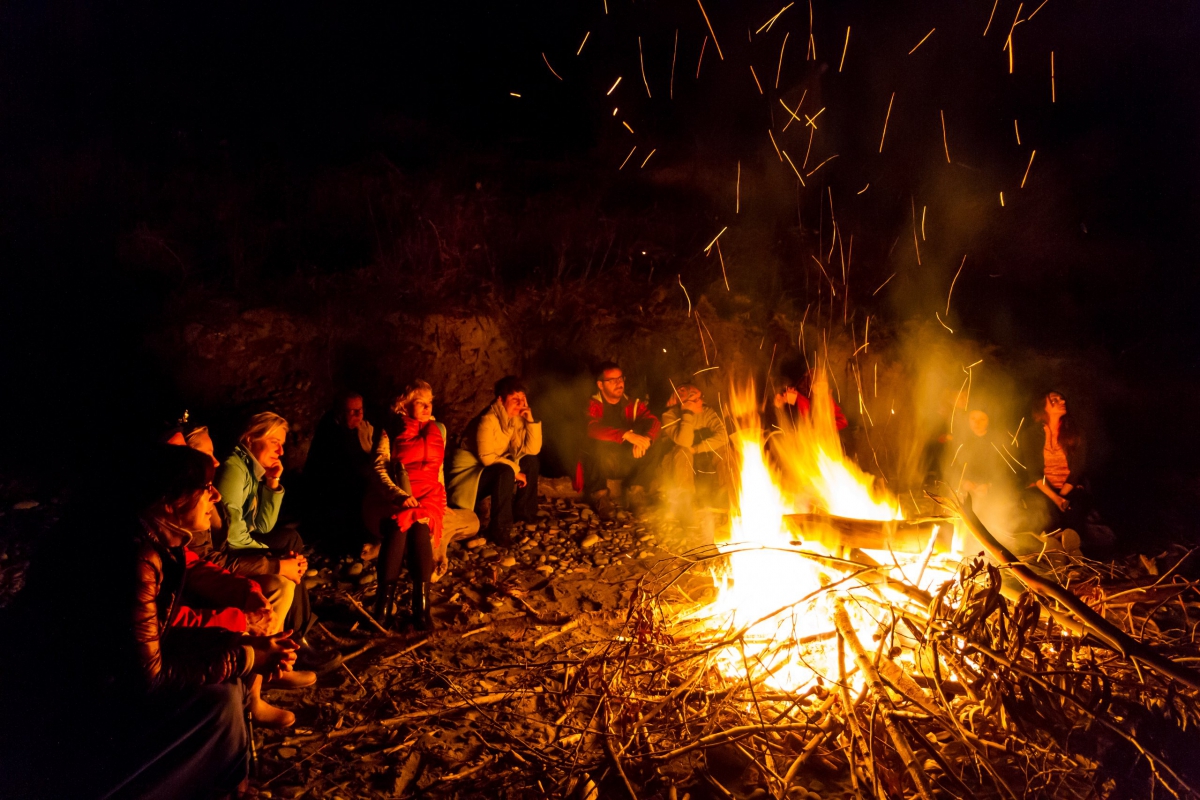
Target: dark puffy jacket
column 158, row 656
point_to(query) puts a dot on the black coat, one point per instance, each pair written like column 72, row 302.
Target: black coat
column 1032, row 441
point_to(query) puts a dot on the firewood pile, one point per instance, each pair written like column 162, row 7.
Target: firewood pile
column 1063, row 680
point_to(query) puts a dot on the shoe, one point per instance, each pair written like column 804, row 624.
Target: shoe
column 269, row 716
column 504, row 537
column 384, row 609
column 309, row 658
column 421, row 619
column 603, row 505
column 635, row 499
column 293, row 679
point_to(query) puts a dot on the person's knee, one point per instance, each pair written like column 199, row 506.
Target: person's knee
column 529, row 465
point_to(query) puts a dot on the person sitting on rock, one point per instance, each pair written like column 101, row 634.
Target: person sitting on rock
column 408, row 467
column 217, row 597
column 498, row 458
column 251, row 492
column 698, row 447
column 620, row 434
column 336, row 474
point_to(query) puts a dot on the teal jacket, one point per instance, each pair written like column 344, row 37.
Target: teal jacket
column 253, row 506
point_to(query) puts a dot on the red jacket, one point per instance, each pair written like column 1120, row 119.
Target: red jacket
column 420, row 450
column 220, row 592
column 804, row 408
column 635, row 411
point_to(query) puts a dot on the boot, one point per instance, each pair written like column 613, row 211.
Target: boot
column 603, row 505
column 266, row 714
column 294, row 679
column 385, row 603
column 422, row 620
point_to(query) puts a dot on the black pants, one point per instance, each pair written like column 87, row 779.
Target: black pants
column 281, row 541
column 605, row 461
column 510, row 503
column 412, row 548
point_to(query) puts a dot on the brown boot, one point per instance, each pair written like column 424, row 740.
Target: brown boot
column 603, row 505
column 294, row 679
column 266, row 714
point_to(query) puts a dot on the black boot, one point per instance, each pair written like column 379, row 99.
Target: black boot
column 422, row 620
column 385, row 603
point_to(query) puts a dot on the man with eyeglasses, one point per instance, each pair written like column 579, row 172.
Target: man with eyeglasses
column 620, row 434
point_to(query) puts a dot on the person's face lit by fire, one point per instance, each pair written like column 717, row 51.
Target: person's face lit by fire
column 515, row 405
column 351, row 415
column 978, row 422
column 268, row 450
column 420, row 407
column 193, row 513
column 1056, row 406
column 612, row 385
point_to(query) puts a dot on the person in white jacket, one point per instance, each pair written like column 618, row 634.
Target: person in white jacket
column 498, row 458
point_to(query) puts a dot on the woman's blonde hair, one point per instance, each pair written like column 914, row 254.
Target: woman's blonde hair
column 400, row 404
column 262, row 425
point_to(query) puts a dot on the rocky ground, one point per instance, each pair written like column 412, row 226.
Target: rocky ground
column 462, row 711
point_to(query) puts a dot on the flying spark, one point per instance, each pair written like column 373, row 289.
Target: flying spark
column 652, row 152
column 1027, row 166
column 710, row 30
column 945, row 143
column 779, row 69
column 581, row 44
column 614, row 86
column 951, row 292
column 642, row 62
column 885, row 121
column 789, row 160
column 626, row 161
column 755, row 75
column 989, row 24
column 846, row 46
column 767, row 25
column 626, row 124
column 918, row 44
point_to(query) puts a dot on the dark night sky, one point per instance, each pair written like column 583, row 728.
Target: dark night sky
column 1108, row 220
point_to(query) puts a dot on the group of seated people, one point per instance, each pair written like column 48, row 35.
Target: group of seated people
column 196, row 598
column 1032, row 481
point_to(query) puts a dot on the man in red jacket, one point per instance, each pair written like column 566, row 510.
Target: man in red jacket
column 620, row 434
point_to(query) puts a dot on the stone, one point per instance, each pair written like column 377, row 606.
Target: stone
column 600, row 560
column 366, row 579
column 530, row 527
column 312, row 573
column 286, row 752
column 545, row 569
column 489, row 553
column 477, row 542
column 645, row 554
column 508, row 561
column 354, row 569
column 589, row 541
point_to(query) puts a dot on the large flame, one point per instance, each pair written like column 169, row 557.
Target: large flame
column 768, row 595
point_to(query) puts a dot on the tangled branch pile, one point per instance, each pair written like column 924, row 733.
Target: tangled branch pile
column 1000, row 684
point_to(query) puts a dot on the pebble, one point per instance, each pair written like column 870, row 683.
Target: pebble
column 589, row 541
column 489, row 553
column 312, row 573
column 600, row 560
column 530, row 527
column 366, row 579
column 354, row 569
column 508, row 561
column 477, row 542
column 286, row 752
column 545, row 569
column 645, row 554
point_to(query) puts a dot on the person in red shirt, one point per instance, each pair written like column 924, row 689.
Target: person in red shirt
column 620, row 435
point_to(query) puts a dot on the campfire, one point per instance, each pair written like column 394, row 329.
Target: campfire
column 843, row 646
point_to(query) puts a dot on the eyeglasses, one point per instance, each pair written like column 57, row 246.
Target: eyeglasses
column 618, row 379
